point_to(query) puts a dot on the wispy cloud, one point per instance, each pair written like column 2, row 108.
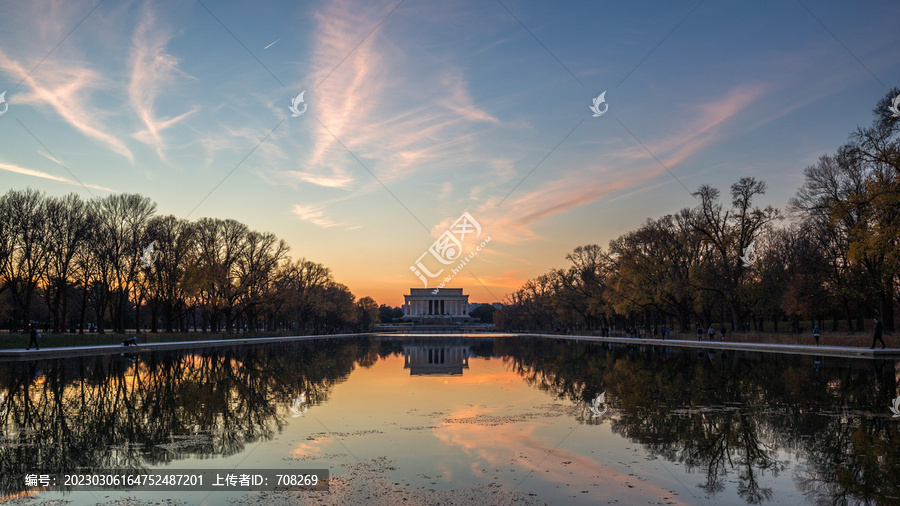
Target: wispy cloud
column 458, row 100
column 316, row 215
column 329, row 181
column 445, row 189
column 44, row 175
column 628, row 167
column 66, row 86
column 396, row 117
column 152, row 70
column 64, row 80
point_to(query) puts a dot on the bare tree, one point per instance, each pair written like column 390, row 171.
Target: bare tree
column 220, row 244
column 823, row 206
column 297, row 286
column 28, row 236
column 122, row 222
column 174, row 240
column 71, row 222
column 256, row 267
column 730, row 233
column 366, row 313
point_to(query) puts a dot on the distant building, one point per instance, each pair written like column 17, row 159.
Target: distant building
column 447, row 305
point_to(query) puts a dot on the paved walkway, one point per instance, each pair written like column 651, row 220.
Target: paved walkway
column 801, row 349
column 797, row 349
column 114, row 349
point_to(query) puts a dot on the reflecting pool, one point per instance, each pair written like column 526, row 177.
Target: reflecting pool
column 457, row 420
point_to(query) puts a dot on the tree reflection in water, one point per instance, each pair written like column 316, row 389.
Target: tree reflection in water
column 130, row 412
column 738, row 414
column 722, row 415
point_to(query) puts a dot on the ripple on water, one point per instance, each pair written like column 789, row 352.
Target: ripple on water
column 313, row 437
column 324, row 456
column 367, row 482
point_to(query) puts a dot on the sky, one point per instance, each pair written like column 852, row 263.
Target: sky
column 415, row 112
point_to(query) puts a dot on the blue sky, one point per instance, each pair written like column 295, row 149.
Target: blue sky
column 421, row 111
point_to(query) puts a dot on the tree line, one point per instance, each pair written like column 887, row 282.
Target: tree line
column 137, row 412
column 114, row 261
column 835, row 262
column 750, row 411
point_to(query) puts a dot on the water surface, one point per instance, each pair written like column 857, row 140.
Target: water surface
column 440, row 420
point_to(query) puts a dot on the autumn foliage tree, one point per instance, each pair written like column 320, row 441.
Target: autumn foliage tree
column 112, row 260
column 837, row 259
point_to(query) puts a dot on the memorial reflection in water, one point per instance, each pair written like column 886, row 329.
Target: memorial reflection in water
column 733, row 420
column 435, row 355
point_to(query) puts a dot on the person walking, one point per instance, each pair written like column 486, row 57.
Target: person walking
column 722, row 330
column 35, row 335
column 877, row 336
column 817, row 334
column 699, row 332
column 712, row 333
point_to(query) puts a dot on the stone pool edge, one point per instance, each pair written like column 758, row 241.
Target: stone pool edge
column 796, row 349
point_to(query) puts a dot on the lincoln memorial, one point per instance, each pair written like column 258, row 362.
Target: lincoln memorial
column 447, row 304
